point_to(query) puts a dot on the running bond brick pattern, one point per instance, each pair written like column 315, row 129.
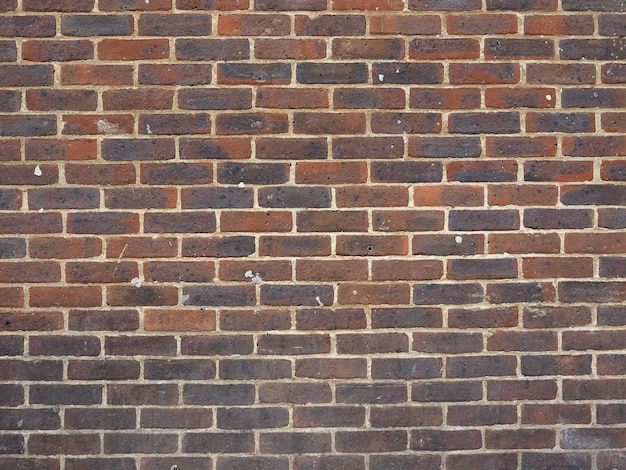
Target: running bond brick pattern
column 312, row 234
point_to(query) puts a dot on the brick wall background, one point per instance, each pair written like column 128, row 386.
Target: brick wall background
column 312, row 234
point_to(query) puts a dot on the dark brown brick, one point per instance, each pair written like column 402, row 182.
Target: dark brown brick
column 519, row 48
column 218, row 394
column 223, row 296
column 212, row 49
column 44, row 418
column 481, row 415
column 507, row 390
column 247, row 369
column 484, row 123
column 556, row 365
column 328, row 416
column 295, row 393
column 123, row 443
column 520, row 439
column 445, row 5
column 331, row 73
column 291, row 149
column 439, row 440
column 483, row 366
column 406, row 369
column 353, row 462
column 249, row 74
column 447, row 342
column 260, row 463
column 489, row 220
column 218, row 442
column 447, row 294
column 28, row 26
column 295, row 443
column 446, row 391
column 592, row 49
column 62, row 394
column 331, row 368
column 370, row 441
column 433, row 49
column 537, row 340
column 252, row 418
column 107, row 418
column 402, row 73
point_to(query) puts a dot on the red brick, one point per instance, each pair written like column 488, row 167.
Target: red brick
column 331, row 270
column 557, row 267
column 174, row 74
column 406, row 270
column 507, row 390
column 550, row 414
column 90, row 124
column 492, row 73
column 329, row 123
column 482, row 415
column 374, row 294
column 558, row 25
column 297, row 49
column 445, row 98
column 524, row 243
column 74, row 74
column 565, row 74
column 521, row 98
column 524, row 195
column 405, row 25
column 142, row 296
column 90, row 296
column 481, row 24
column 520, row 439
column 133, row 49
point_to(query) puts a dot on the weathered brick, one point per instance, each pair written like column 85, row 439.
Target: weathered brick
column 331, row 73
column 444, row 49
column 218, row 442
column 28, row 26
column 212, row 49
column 442, row 391
column 487, row 123
column 174, row 25
column 519, row 48
column 61, row 51
column 101, row 25
column 471, row 171
column 491, row 73
column 175, row 74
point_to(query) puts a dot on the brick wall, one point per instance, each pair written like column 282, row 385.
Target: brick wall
column 312, row 234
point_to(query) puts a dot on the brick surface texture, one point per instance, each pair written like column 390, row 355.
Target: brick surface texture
column 312, row 234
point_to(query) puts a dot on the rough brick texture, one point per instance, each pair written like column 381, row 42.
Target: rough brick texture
column 312, row 234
